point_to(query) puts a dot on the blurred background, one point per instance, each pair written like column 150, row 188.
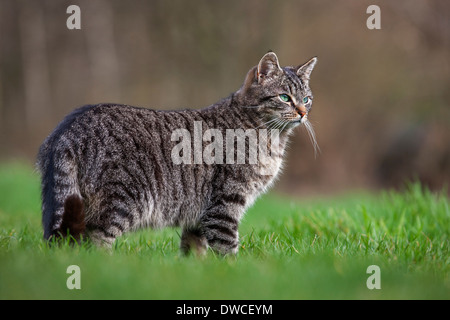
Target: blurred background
column 381, row 108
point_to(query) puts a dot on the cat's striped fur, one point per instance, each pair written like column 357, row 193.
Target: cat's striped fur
column 107, row 169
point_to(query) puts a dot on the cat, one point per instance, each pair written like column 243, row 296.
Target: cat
column 108, row 169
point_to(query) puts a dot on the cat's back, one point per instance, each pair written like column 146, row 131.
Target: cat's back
column 109, row 117
column 98, row 122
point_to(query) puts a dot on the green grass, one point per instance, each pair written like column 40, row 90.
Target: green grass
column 290, row 249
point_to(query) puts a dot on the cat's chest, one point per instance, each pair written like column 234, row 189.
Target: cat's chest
column 271, row 160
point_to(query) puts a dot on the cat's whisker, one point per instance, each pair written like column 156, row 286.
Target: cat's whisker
column 266, row 123
column 272, row 125
column 286, row 122
column 312, row 137
column 269, row 125
column 277, row 124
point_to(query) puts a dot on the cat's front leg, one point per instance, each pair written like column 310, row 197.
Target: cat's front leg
column 219, row 225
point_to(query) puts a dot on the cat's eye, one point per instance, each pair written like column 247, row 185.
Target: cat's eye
column 306, row 100
column 284, row 97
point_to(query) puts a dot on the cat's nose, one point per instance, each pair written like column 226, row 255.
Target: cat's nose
column 301, row 110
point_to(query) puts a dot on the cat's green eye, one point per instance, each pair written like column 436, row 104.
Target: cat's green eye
column 284, row 97
column 306, row 100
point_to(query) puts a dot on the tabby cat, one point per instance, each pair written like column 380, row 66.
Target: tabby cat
column 108, row 168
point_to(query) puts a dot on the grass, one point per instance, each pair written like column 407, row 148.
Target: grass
column 290, row 249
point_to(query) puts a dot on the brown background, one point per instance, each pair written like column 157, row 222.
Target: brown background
column 381, row 109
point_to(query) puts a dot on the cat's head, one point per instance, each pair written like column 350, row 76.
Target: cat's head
column 280, row 97
column 279, row 93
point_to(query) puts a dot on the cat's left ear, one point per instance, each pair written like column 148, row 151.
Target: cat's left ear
column 304, row 70
column 268, row 67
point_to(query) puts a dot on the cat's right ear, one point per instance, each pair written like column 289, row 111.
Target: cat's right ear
column 268, row 67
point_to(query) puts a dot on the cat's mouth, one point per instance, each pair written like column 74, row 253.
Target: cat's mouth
column 298, row 120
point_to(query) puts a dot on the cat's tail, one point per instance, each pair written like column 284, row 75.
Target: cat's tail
column 73, row 218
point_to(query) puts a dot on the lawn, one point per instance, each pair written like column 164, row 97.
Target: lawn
column 290, row 249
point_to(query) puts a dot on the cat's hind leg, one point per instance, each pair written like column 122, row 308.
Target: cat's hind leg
column 110, row 224
column 112, row 212
column 100, row 237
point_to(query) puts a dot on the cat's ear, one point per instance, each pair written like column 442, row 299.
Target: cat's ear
column 304, row 70
column 268, row 67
